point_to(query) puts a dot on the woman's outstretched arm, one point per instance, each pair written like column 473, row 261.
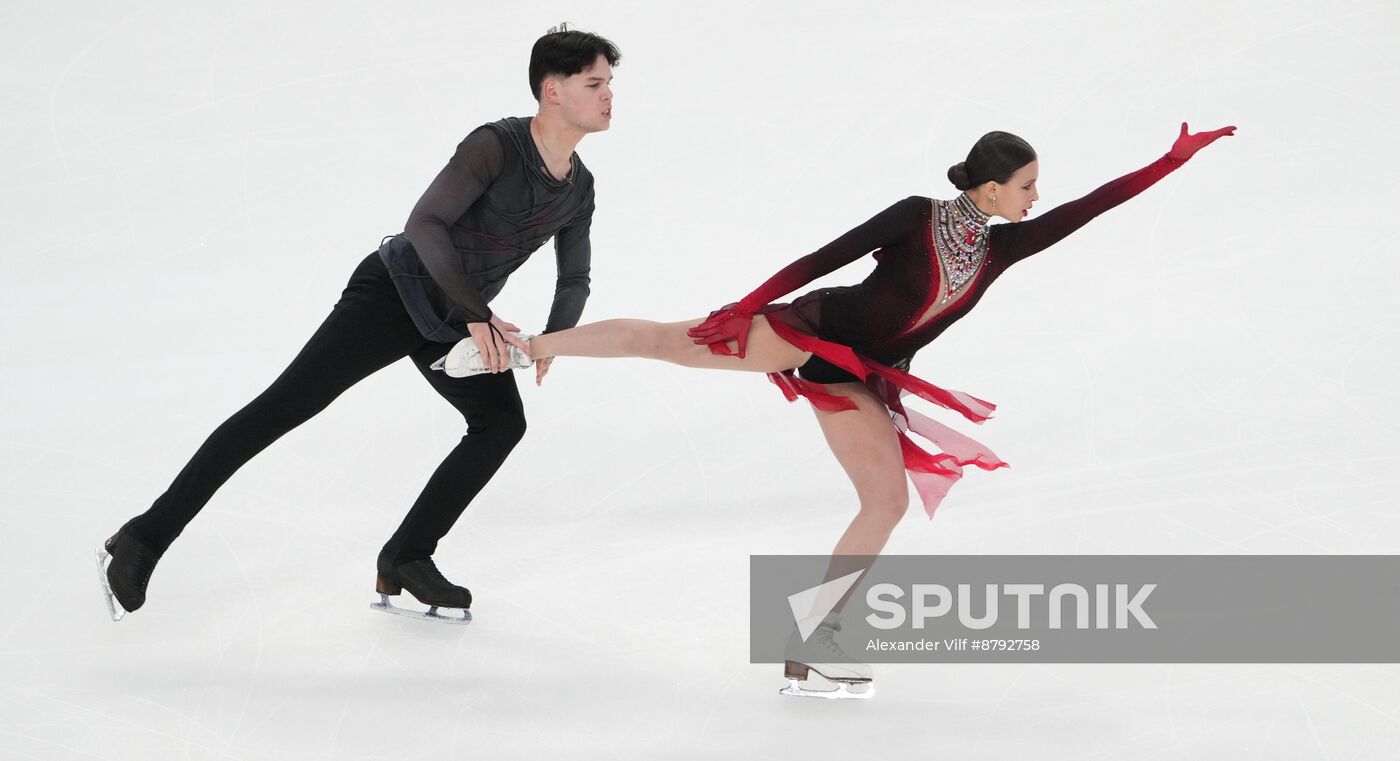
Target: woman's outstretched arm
column 1023, row 239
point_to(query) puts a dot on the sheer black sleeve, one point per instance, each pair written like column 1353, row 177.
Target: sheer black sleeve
column 1032, row 236
column 889, row 226
column 574, row 252
column 478, row 161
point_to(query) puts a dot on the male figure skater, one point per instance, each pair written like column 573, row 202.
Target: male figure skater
column 510, row 186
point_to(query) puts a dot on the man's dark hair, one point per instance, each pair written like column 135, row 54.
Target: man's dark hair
column 567, row 51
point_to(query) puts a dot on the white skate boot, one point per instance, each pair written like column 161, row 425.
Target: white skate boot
column 465, row 358
column 821, row 654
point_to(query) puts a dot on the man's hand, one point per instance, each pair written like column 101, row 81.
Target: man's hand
column 493, row 338
column 542, row 367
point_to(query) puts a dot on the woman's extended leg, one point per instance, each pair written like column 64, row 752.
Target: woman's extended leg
column 667, row 341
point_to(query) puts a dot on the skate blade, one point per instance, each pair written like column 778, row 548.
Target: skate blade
column 430, row 615
column 456, row 368
column 842, row 691
column 113, row 607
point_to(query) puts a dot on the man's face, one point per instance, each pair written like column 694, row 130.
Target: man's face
column 585, row 99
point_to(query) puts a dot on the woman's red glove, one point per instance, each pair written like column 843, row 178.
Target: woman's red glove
column 728, row 324
column 1186, row 145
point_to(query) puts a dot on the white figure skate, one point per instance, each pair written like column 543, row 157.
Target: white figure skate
column 822, row 655
column 465, row 358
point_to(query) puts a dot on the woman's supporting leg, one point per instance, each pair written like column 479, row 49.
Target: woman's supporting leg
column 366, row 330
column 667, row 341
column 866, row 445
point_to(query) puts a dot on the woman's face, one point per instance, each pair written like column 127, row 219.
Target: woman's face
column 1015, row 197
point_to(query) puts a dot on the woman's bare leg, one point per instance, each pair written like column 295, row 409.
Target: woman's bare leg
column 866, row 445
column 667, row 341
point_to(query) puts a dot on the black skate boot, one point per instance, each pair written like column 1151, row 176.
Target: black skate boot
column 124, row 579
column 425, row 582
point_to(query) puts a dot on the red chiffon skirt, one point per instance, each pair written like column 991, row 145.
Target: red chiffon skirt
column 933, row 474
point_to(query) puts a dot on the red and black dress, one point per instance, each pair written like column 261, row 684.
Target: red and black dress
column 928, row 254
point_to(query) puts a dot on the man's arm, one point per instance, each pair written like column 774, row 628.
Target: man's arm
column 478, row 161
column 573, row 252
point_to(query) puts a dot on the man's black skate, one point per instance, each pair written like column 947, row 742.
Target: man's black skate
column 426, row 583
column 124, row 579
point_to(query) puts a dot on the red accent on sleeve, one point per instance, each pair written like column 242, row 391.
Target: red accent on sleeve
column 886, row 228
column 1035, row 235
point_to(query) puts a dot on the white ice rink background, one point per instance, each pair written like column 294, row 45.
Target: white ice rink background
column 185, row 188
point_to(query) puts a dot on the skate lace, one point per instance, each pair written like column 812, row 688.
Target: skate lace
column 830, row 646
column 825, row 635
column 430, row 568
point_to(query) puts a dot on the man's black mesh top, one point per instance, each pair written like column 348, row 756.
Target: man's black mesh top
column 483, row 215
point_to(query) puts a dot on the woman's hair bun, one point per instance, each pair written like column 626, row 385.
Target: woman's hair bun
column 957, row 174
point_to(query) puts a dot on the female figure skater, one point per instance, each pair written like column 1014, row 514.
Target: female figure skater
column 850, row 346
